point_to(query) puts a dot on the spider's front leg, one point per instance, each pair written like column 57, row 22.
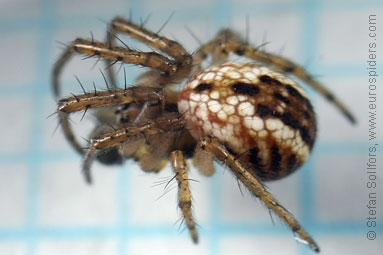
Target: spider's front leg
column 166, row 123
column 184, row 196
column 91, row 48
column 255, row 186
column 111, row 140
column 100, row 99
column 161, row 43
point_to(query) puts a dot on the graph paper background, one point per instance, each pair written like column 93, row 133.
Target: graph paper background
column 45, row 206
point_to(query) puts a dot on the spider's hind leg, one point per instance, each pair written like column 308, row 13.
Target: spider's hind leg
column 219, row 54
column 255, row 186
column 227, row 41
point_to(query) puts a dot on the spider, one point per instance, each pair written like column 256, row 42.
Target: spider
column 252, row 118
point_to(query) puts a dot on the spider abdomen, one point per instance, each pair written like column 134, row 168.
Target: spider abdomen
column 260, row 115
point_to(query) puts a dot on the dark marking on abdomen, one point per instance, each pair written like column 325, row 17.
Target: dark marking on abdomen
column 255, row 160
column 281, row 98
column 291, row 162
column 276, row 158
column 295, row 93
column 269, row 80
column 289, row 120
column 263, row 110
column 245, row 89
column 202, row 87
column 306, row 136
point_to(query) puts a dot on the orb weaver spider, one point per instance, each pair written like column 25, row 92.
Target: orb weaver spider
column 252, row 118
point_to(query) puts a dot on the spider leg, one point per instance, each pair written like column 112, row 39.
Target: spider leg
column 256, row 187
column 184, row 196
column 161, row 43
column 111, row 156
column 166, row 123
column 228, row 41
column 68, row 132
column 60, row 63
column 219, row 55
column 103, row 99
column 101, row 50
column 111, row 140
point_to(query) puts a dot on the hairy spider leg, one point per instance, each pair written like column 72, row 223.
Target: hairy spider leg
column 228, row 41
column 166, row 123
column 100, row 99
column 184, row 196
column 104, row 51
column 161, row 43
column 170, row 68
column 255, row 186
column 113, row 139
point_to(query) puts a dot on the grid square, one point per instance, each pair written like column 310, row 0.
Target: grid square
column 150, row 203
column 341, row 194
column 77, row 247
column 166, row 246
column 16, row 118
column 13, row 247
column 146, row 205
column 88, row 7
column 236, row 208
column 13, row 190
column 345, row 244
column 258, row 245
column 351, row 27
column 20, row 69
column 65, row 199
column 332, row 125
column 19, row 9
column 152, row 5
column 277, row 3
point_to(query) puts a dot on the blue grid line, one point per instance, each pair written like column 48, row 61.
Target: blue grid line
column 309, row 14
column 321, row 148
column 36, row 150
column 9, row 24
column 122, row 189
column 227, row 229
column 221, row 15
column 124, row 186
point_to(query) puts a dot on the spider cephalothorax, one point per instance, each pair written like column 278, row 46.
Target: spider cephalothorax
column 255, row 120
